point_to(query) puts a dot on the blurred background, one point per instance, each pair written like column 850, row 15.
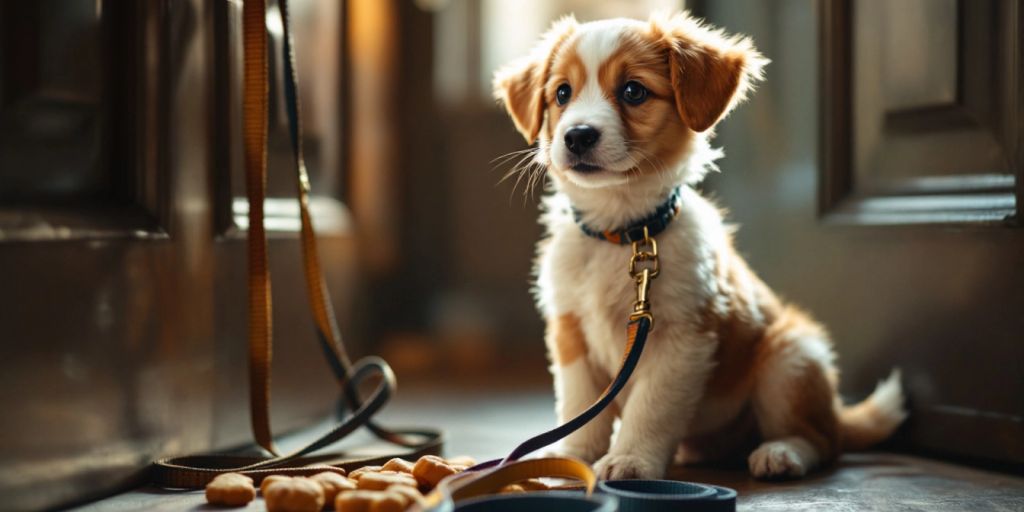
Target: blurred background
column 875, row 176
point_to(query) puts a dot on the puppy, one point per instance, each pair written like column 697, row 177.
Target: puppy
column 622, row 112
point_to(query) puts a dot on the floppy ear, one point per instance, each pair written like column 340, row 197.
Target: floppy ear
column 711, row 72
column 520, row 84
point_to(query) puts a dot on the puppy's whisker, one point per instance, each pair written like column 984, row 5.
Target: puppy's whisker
column 657, row 164
column 522, row 155
column 517, row 171
column 514, row 187
column 518, row 167
column 510, row 155
column 536, row 176
column 540, row 179
column 525, row 167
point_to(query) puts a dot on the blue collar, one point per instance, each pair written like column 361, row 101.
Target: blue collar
column 655, row 223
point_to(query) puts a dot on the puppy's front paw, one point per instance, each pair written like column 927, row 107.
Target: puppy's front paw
column 620, row 466
column 776, row 459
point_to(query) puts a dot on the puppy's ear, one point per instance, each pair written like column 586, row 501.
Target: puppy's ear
column 711, row 72
column 520, row 85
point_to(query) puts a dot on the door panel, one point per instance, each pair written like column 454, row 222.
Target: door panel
column 939, row 295
column 927, row 79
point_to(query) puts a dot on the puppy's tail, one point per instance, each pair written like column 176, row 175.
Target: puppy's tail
column 876, row 418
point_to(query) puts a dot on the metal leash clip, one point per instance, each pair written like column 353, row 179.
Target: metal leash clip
column 644, row 267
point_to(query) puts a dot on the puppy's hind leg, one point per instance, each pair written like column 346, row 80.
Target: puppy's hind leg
column 794, row 402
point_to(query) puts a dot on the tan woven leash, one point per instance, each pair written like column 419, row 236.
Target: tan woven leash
column 194, row 471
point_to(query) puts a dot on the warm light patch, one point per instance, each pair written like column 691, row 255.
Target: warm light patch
column 565, row 339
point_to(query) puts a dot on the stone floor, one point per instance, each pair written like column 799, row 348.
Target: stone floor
column 488, row 425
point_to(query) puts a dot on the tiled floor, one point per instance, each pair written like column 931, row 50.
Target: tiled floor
column 488, row 425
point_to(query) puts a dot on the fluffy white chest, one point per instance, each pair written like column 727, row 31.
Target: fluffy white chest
column 589, row 278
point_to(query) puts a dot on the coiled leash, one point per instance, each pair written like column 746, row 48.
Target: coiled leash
column 473, row 490
column 195, row 471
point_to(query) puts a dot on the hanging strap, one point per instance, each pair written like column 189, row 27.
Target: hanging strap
column 328, row 334
column 196, row 471
column 254, row 138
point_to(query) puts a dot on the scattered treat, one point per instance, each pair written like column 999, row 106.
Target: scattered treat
column 462, row 460
column 294, row 495
column 390, row 502
column 393, row 487
column 399, row 465
column 354, row 501
column 271, row 479
column 430, row 470
column 411, row 494
column 371, row 501
column 511, row 488
column 384, row 479
column 332, row 484
column 230, row 490
column 358, row 473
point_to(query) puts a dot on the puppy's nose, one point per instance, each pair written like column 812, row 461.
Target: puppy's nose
column 580, row 138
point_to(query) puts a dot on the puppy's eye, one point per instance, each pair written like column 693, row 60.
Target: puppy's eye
column 562, row 94
column 634, row 93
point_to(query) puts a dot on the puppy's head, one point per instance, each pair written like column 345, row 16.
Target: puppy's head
column 620, row 100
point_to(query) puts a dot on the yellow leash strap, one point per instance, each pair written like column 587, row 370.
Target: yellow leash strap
column 470, row 485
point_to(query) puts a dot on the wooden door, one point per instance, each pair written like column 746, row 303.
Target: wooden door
column 877, row 179
column 122, row 274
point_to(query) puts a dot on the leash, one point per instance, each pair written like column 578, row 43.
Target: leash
column 473, row 490
column 195, row 471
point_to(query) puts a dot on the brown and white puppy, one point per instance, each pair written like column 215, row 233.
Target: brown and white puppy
column 622, row 111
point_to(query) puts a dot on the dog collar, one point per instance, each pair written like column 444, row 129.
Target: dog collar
column 655, row 223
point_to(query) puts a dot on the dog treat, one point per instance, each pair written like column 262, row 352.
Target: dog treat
column 411, row 494
column 354, row 501
column 332, row 484
column 384, row 479
column 371, row 501
column 271, row 479
column 431, row 469
column 399, row 465
column 390, row 502
column 294, row 495
column 230, row 490
column 462, row 460
column 358, row 473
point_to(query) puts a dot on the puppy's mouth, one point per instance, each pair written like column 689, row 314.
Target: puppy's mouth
column 585, row 168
